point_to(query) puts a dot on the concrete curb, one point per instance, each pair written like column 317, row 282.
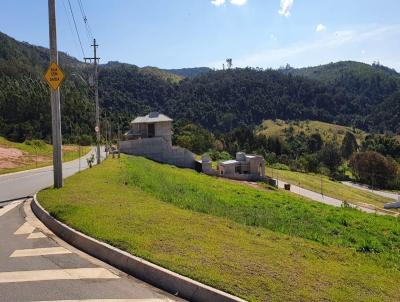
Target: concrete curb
column 155, row 275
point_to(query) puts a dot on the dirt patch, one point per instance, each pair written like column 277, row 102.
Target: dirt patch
column 10, row 158
column 70, row 148
column 10, row 153
column 7, row 165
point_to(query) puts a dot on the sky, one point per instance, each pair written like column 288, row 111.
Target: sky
column 190, row 33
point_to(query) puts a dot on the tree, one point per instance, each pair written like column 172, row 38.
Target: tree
column 373, row 168
column 315, row 142
column 349, row 145
column 310, row 163
column 330, row 156
column 195, row 138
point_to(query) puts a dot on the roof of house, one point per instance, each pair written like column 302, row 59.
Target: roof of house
column 152, row 117
column 229, row 162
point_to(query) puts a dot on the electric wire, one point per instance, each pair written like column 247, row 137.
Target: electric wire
column 70, row 25
column 76, row 28
column 85, row 20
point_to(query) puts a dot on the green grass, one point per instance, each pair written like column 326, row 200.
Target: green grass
column 328, row 131
column 330, row 188
column 260, row 245
column 43, row 152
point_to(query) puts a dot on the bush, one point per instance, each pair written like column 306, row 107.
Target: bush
column 215, row 155
column 36, row 143
column 85, row 140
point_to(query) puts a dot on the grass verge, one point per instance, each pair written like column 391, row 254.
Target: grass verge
column 258, row 245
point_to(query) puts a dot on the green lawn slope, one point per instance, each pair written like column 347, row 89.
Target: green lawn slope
column 259, row 245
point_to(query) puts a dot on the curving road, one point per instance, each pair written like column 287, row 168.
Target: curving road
column 26, row 183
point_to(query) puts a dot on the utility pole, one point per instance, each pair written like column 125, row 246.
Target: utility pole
column 55, row 101
column 96, row 98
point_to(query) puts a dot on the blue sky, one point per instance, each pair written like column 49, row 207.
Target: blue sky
column 188, row 33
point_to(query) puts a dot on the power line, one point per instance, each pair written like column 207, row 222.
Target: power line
column 69, row 25
column 76, row 28
column 85, row 20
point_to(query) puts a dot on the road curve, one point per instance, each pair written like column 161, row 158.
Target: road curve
column 26, row 183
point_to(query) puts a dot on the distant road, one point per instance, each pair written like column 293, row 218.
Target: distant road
column 26, row 183
column 329, row 200
column 366, row 188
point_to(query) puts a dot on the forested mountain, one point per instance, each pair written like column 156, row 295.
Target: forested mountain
column 189, row 72
column 377, row 86
column 218, row 100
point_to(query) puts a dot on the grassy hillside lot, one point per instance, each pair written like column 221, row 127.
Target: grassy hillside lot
column 29, row 155
column 330, row 188
column 328, row 131
column 259, row 245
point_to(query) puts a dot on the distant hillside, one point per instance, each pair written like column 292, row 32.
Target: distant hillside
column 366, row 97
column 189, row 72
column 19, row 59
column 328, row 131
column 371, row 81
column 334, row 71
column 162, row 74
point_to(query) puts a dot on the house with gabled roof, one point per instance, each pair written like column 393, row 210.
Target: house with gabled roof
column 150, row 136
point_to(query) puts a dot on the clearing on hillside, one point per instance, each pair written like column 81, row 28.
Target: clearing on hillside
column 326, row 130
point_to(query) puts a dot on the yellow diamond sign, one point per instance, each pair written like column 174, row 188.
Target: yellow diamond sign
column 54, row 76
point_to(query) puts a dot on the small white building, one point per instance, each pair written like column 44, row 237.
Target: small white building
column 244, row 167
column 150, row 136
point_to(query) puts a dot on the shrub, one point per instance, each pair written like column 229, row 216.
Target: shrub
column 85, row 140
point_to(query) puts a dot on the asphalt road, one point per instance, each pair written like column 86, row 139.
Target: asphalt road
column 26, row 183
column 390, row 195
column 326, row 199
column 35, row 265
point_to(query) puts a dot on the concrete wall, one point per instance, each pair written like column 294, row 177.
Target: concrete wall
column 164, row 129
column 160, row 150
column 227, row 169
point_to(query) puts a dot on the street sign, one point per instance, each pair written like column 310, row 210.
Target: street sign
column 54, row 76
column 96, row 129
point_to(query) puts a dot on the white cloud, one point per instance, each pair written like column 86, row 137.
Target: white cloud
column 286, row 6
column 320, row 28
column 335, row 46
column 273, row 37
column 239, row 2
column 217, row 2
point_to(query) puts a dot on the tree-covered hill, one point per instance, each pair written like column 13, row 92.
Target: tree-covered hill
column 189, row 72
column 346, row 93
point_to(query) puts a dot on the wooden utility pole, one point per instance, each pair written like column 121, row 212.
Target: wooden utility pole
column 96, row 98
column 55, row 101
